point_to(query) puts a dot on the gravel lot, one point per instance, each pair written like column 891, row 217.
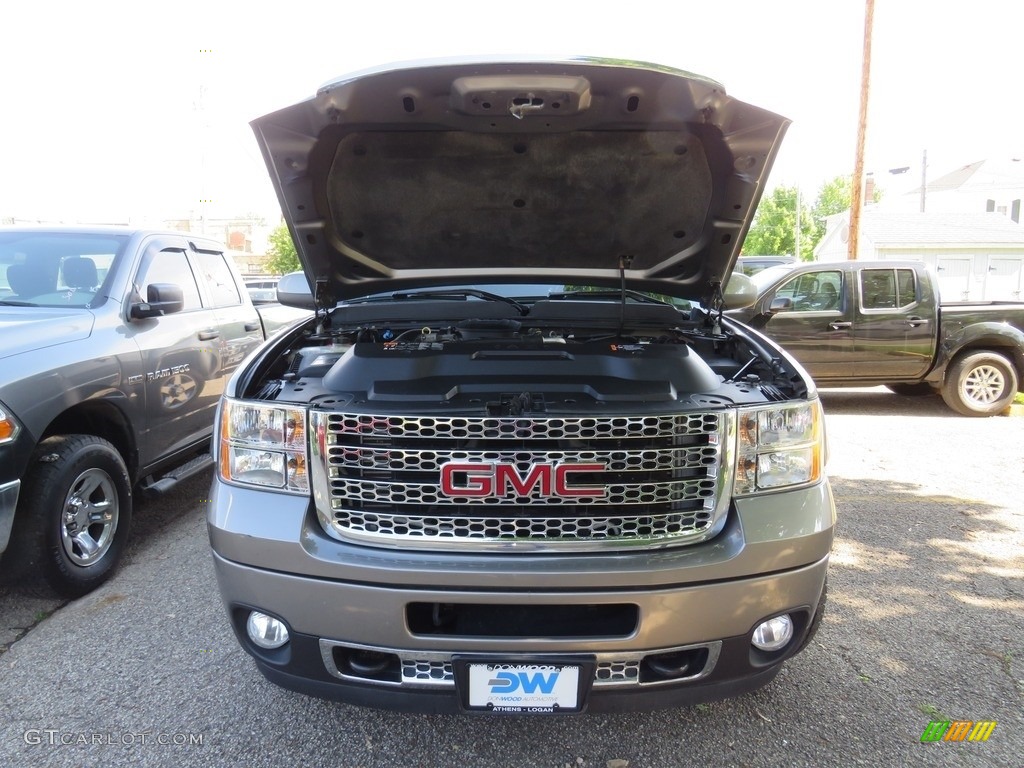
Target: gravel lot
column 925, row 622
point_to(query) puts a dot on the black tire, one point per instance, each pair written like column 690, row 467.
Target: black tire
column 913, row 389
column 74, row 514
column 980, row 384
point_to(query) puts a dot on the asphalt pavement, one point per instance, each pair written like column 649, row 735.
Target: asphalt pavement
column 925, row 622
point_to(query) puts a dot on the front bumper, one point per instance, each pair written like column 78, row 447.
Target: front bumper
column 8, row 504
column 330, row 623
column 344, row 604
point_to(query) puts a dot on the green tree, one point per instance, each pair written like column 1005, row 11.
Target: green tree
column 774, row 228
column 833, row 198
column 282, row 253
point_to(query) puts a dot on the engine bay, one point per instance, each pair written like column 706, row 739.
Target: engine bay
column 485, row 354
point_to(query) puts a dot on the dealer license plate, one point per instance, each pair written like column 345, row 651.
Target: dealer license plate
column 532, row 688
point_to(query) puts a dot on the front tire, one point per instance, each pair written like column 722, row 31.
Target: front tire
column 980, row 384
column 73, row 516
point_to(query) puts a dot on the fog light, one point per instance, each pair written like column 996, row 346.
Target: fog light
column 773, row 634
column 266, row 631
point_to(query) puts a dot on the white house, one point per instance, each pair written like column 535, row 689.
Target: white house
column 992, row 186
column 977, row 255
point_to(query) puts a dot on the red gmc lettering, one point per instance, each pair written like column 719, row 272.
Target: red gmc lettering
column 479, row 480
column 562, row 487
column 502, row 480
column 506, row 474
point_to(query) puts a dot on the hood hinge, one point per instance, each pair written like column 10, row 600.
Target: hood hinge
column 323, row 301
column 715, row 302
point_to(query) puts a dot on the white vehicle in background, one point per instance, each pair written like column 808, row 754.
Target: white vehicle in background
column 262, row 290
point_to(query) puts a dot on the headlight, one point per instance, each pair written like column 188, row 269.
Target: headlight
column 9, row 428
column 779, row 447
column 263, row 445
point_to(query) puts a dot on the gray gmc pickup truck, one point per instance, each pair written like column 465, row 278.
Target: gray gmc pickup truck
column 504, row 469
column 115, row 345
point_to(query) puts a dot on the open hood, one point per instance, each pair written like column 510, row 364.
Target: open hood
column 461, row 172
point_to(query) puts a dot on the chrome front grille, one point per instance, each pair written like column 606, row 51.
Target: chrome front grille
column 430, row 461
column 485, row 428
column 398, row 493
column 643, row 480
column 522, row 530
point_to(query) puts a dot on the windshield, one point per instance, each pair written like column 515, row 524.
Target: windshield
column 55, row 269
column 527, row 293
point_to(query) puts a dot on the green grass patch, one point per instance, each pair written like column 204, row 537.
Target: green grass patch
column 931, row 712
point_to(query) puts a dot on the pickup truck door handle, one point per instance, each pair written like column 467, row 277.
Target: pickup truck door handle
column 840, row 325
column 913, row 322
column 211, row 333
column 252, row 326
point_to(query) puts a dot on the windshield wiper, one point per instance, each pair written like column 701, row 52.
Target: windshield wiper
column 458, row 293
column 635, row 295
column 9, row 303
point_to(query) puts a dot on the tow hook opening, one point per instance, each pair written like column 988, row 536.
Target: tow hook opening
column 675, row 665
column 368, row 664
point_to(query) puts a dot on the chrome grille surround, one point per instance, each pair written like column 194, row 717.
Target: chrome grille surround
column 375, row 480
column 431, row 669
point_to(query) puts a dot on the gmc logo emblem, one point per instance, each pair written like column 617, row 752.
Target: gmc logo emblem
column 483, row 480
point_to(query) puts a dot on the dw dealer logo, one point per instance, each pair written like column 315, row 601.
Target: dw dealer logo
column 509, row 682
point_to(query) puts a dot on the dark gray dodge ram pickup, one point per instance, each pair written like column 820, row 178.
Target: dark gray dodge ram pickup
column 114, row 348
column 504, row 469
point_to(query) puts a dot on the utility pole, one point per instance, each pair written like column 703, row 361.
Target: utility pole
column 204, row 132
column 856, row 187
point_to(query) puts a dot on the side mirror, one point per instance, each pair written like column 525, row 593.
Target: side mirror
column 740, row 292
column 161, row 299
column 293, row 291
column 780, row 304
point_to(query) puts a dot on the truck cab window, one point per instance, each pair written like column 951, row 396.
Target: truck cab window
column 814, row 291
column 168, row 266
column 219, row 281
column 906, row 279
column 887, row 288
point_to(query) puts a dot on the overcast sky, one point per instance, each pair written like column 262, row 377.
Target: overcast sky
column 117, row 111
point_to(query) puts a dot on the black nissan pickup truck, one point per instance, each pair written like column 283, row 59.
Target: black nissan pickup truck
column 866, row 323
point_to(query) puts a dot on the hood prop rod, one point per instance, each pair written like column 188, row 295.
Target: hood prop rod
column 323, row 300
column 624, row 263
